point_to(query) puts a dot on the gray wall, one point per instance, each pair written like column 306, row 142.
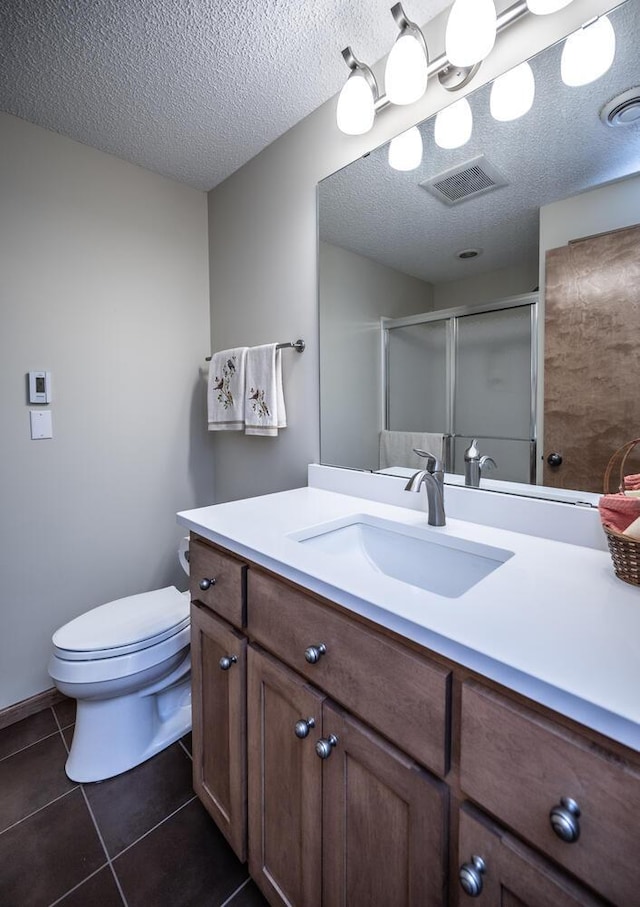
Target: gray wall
column 263, row 249
column 103, row 280
column 355, row 292
column 485, row 288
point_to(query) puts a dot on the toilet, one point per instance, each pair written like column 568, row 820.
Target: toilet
column 127, row 663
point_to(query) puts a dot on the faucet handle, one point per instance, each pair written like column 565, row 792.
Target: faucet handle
column 433, row 464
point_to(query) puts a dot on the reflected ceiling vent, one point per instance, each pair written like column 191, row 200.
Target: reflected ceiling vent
column 465, row 181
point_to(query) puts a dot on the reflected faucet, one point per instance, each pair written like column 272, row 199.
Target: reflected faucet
column 474, row 464
column 433, row 477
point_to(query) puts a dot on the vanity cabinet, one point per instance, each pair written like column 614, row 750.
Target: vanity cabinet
column 374, row 772
column 337, row 816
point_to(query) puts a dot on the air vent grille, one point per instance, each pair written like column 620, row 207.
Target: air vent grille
column 465, row 181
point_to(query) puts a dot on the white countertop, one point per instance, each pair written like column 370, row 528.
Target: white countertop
column 553, row 622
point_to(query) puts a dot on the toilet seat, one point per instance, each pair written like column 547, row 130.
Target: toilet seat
column 124, row 626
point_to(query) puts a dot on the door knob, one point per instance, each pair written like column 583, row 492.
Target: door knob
column 470, row 876
column 226, row 661
column 314, row 653
column 564, row 820
column 554, row 459
column 303, row 727
column 325, row 746
column 206, row 583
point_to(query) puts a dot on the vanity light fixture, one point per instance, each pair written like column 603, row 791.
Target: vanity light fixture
column 405, row 150
column 512, row 93
column 406, row 73
column 471, row 31
column 453, row 125
column 588, row 53
column 356, row 103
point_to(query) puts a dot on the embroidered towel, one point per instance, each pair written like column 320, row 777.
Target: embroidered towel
column 225, row 390
column 264, row 411
column 396, row 448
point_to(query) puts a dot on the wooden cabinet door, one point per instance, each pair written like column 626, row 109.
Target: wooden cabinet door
column 285, row 784
column 513, row 875
column 219, row 724
column 384, row 822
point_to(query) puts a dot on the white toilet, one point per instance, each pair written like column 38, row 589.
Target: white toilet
column 127, row 664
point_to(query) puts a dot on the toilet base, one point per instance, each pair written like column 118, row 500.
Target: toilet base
column 112, row 736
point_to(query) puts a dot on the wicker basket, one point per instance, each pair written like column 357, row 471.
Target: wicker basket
column 625, row 552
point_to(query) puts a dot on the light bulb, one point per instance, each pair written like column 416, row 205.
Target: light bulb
column 405, row 76
column 355, row 112
column 453, row 125
column 405, row 151
column 543, row 7
column 588, row 53
column 512, row 93
column 471, row 31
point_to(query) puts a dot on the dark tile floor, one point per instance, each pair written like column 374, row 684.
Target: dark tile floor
column 139, row 839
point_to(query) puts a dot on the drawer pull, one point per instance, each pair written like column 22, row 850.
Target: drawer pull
column 313, row 654
column 227, row 660
column 206, row 583
column 303, row 727
column 564, row 820
column 470, row 876
column 324, row 747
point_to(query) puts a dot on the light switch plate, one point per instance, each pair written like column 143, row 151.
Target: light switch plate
column 41, row 424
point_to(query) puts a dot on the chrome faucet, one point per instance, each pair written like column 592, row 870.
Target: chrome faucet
column 433, row 477
column 474, row 464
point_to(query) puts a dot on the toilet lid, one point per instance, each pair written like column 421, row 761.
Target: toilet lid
column 128, row 624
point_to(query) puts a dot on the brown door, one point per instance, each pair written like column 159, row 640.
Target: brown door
column 511, row 874
column 285, row 784
column 219, row 723
column 383, row 822
column 592, row 336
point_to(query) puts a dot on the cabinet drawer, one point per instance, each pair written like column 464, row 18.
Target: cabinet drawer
column 512, row 874
column 228, row 595
column 519, row 766
column 401, row 694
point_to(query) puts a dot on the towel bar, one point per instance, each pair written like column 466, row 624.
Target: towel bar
column 297, row 345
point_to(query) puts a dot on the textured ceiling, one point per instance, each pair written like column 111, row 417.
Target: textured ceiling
column 558, row 149
column 189, row 88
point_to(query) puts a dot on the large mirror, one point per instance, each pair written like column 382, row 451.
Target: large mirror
column 492, row 292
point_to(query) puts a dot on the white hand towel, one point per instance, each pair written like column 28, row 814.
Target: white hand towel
column 396, row 448
column 264, row 411
column 225, row 390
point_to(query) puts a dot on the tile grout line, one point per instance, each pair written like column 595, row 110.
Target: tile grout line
column 157, row 825
column 33, row 742
column 186, row 750
column 237, row 891
column 95, row 824
column 39, row 809
column 75, row 887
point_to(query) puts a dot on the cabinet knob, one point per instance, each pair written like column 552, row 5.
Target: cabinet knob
column 554, row 459
column 470, row 876
column 206, row 583
column 314, row 653
column 226, row 661
column 303, row 727
column 564, row 820
column 325, row 746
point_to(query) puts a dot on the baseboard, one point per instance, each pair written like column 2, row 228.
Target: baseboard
column 30, row 706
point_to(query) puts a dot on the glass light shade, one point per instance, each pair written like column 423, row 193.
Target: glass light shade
column 405, row 151
column 543, row 7
column 588, row 53
column 471, row 31
column 512, row 94
column 405, row 76
column 453, row 125
column 355, row 112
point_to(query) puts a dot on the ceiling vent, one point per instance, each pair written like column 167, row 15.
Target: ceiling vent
column 623, row 110
column 465, row 181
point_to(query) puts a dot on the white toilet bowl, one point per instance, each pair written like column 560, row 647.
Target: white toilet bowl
column 127, row 664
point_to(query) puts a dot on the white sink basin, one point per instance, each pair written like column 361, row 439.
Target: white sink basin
column 425, row 558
